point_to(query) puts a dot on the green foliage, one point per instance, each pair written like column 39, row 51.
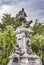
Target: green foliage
column 8, row 42
column 38, row 40
column 38, row 28
column 5, row 61
column 1, row 27
column 37, row 44
column 7, row 19
column 18, row 23
column 0, row 30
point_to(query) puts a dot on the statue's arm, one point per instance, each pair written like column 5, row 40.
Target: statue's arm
column 25, row 14
column 18, row 14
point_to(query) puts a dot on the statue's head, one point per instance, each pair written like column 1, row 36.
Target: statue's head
column 22, row 9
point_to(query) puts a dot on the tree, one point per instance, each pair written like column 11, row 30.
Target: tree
column 18, row 23
column 37, row 44
column 38, row 40
column 8, row 42
column 7, row 19
column 38, row 28
column 1, row 26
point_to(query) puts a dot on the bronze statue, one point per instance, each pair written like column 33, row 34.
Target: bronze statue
column 21, row 15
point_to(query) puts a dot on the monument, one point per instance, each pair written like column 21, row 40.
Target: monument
column 21, row 16
column 23, row 54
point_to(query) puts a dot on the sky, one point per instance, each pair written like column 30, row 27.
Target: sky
column 33, row 8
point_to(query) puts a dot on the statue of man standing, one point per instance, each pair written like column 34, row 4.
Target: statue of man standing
column 21, row 15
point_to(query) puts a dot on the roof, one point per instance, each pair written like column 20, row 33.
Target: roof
column 14, row 55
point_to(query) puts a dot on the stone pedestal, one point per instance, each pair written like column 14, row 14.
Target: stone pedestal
column 23, row 54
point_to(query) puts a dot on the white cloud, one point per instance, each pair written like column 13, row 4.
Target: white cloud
column 31, row 8
column 5, row 7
